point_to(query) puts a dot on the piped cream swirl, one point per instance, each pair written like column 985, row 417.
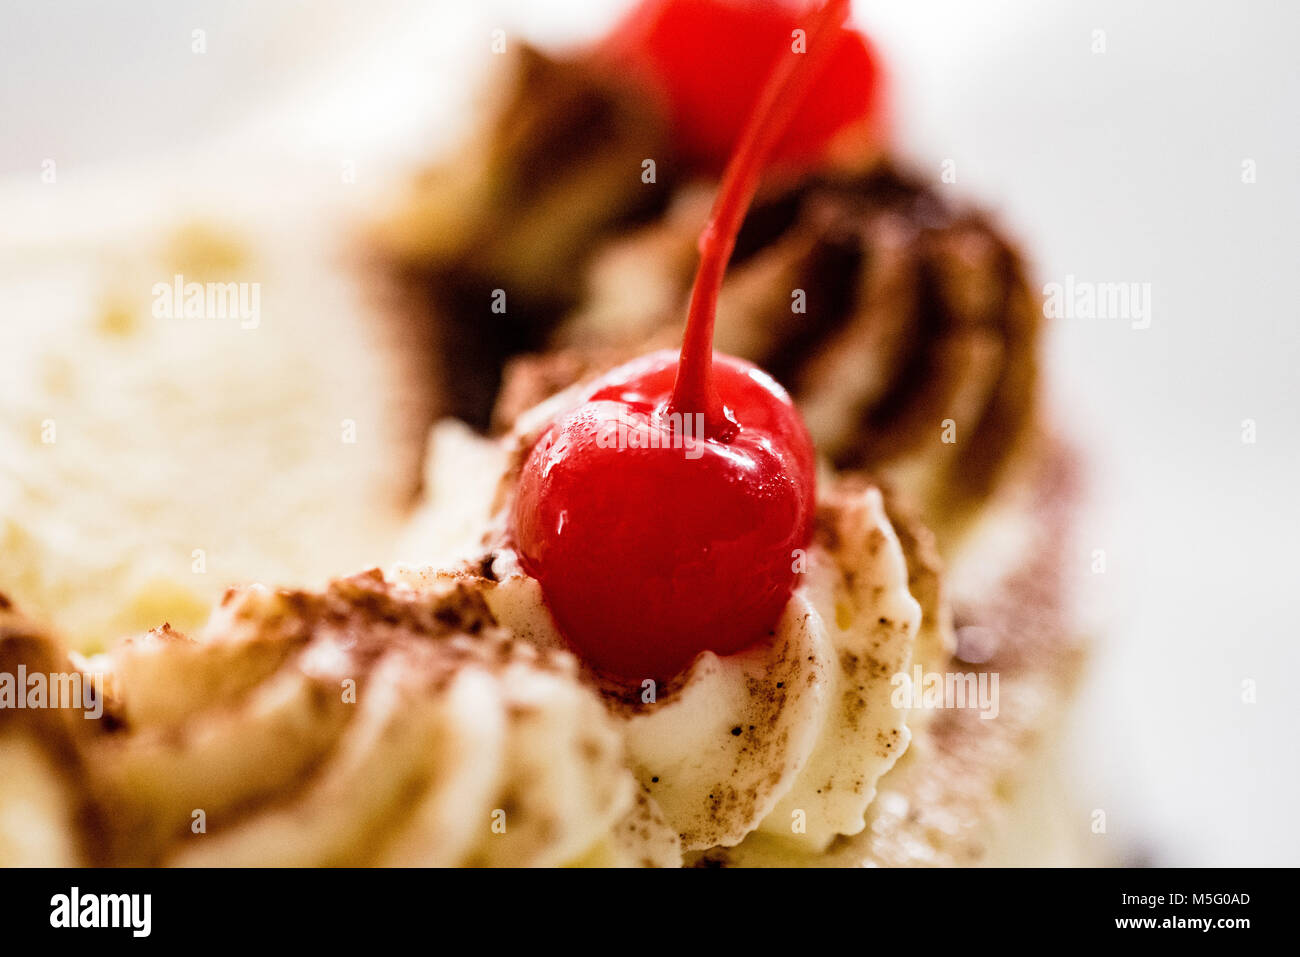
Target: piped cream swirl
column 787, row 738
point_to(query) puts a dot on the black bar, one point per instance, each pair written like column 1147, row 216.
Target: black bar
column 929, row 907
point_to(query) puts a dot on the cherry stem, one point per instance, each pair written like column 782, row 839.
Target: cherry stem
column 784, row 92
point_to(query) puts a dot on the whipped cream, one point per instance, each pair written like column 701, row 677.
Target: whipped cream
column 368, row 724
column 786, row 739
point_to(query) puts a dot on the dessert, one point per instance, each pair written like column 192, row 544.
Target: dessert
column 914, row 358
column 642, row 623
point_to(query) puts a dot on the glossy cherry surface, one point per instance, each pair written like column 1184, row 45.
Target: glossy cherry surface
column 652, row 543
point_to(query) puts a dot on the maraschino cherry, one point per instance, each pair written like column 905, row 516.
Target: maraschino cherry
column 708, row 60
column 662, row 515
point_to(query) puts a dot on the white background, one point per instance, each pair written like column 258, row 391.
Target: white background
column 1116, row 166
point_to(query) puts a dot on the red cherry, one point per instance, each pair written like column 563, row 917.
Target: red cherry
column 709, row 58
column 652, row 543
column 661, row 515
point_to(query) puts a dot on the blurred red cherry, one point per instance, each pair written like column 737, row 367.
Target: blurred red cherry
column 709, row 59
